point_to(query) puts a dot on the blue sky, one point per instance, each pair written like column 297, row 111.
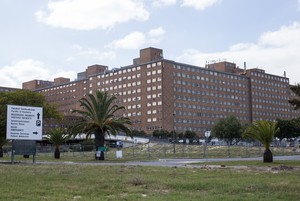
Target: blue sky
column 44, row 39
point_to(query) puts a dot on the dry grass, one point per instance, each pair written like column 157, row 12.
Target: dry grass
column 90, row 182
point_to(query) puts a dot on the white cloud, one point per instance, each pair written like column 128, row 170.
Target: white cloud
column 156, row 35
column 158, row 32
column 96, row 54
column 133, row 40
column 90, row 53
column 69, row 59
column 91, row 14
column 162, row 3
column 136, row 40
column 28, row 69
column 275, row 52
column 77, row 47
column 22, row 71
column 199, row 4
column 66, row 74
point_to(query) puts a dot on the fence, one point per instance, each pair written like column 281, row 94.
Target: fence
column 155, row 150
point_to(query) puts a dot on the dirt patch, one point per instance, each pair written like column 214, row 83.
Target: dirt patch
column 274, row 169
column 283, row 168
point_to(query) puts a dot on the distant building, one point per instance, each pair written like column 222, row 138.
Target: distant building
column 163, row 94
column 8, row 89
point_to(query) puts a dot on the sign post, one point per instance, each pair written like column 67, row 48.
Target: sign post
column 24, row 123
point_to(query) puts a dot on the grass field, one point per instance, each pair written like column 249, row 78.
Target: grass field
column 25, row 181
column 89, row 181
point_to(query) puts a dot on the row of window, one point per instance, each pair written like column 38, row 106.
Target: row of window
column 270, row 114
column 267, row 107
column 275, row 96
column 128, row 92
column 156, row 127
column 120, row 86
column 212, row 108
column 212, row 87
column 154, row 119
column 210, row 72
column 267, row 101
column 154, row 72
column 207, row 79
column 153, row 88
column 150, row 96
column 119, row 71
column 275, row 90
column 154, row 64
column 153, row 80
column 207, row 93
column 133, row 114
column 137, row 106
column 271, row 77
column 195, row 129
column 154, row 103
column 60, row 87
column 117, row 80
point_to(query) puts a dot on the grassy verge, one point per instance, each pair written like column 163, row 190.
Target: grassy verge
column 90, row 182
column 276, row 163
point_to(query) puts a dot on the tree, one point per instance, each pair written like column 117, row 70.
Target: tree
column 57, row 136
column 98, row 118
column 263, row 131
column 288, row 128
column 139, row 133
column 23, row 98
column 228, row 129
column 163, row 134
column 296, row 101
column 189, row 134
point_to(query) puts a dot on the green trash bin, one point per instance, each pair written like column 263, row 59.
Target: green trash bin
column 101, row 149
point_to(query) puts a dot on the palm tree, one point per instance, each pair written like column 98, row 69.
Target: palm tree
column 57, row 137
column 98, row 118
column 263, row 131
column 2, row 142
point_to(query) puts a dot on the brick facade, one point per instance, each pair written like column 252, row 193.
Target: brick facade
column 164, row 94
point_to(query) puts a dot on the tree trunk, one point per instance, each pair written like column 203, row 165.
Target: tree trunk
column 268, row 156
column 99, row 142
column 1, row 152
column 57, row 153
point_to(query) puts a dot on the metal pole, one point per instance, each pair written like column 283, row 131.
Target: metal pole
column 174, row 133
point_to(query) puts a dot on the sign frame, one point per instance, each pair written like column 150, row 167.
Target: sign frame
column 24, row 122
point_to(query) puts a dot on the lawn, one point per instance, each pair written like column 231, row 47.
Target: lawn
column 25, row 181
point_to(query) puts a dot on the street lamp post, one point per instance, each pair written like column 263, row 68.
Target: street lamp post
column 207, row 135
column 174, row 134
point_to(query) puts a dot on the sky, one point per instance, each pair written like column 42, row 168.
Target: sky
column 46, row 39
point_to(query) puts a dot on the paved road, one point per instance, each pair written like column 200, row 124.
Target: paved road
column 176, row 162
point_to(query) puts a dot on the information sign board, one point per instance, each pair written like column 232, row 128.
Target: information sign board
column 24, row 122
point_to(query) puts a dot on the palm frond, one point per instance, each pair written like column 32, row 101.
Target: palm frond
column 263, row 131
column 98, row 113
column 57, row 136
